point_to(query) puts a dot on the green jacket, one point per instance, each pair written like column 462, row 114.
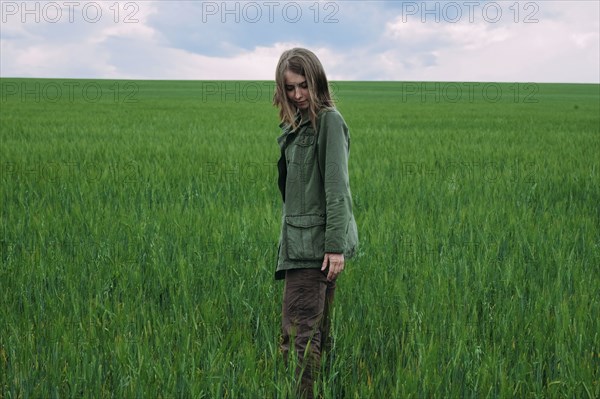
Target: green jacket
column 317, row 213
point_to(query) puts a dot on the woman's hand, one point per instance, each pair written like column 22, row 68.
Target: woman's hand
column 335, row 263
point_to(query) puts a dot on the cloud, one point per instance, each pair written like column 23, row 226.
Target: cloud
column 33, row 45
column 170, row 63
column 562, row 46
column 356, row 40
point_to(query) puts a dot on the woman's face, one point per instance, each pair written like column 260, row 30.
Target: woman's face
column 296, row 89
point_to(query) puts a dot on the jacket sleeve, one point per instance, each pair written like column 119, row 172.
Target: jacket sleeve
column 333, row 152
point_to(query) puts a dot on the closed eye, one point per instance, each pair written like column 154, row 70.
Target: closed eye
column 302, row 85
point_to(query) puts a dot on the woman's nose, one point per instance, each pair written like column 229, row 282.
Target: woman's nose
column 297, row 93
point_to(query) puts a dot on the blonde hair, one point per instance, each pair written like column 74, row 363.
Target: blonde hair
column 302, row 62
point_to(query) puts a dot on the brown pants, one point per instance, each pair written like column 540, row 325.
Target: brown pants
column 307, row 298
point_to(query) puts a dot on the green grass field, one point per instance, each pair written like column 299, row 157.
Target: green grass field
column 140, row 222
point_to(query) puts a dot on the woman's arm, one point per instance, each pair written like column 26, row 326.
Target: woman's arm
column 334, row 147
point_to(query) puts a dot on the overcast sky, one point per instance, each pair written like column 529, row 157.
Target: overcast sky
column 502, row 41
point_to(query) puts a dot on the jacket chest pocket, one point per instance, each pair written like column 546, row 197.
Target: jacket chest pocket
column 305, row 140
column 301, row 158
column 304, row 149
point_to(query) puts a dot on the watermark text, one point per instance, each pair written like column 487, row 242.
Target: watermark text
column 270, row 11
column 69, row 11
column 454, row 92
column 61, row 171
column 69, row 91
column 470, row 11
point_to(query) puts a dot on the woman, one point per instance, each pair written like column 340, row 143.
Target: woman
column 318, row 231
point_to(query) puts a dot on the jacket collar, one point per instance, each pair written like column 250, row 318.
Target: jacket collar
column 287, row 129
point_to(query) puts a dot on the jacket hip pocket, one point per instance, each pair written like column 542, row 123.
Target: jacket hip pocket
column 305, row 237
